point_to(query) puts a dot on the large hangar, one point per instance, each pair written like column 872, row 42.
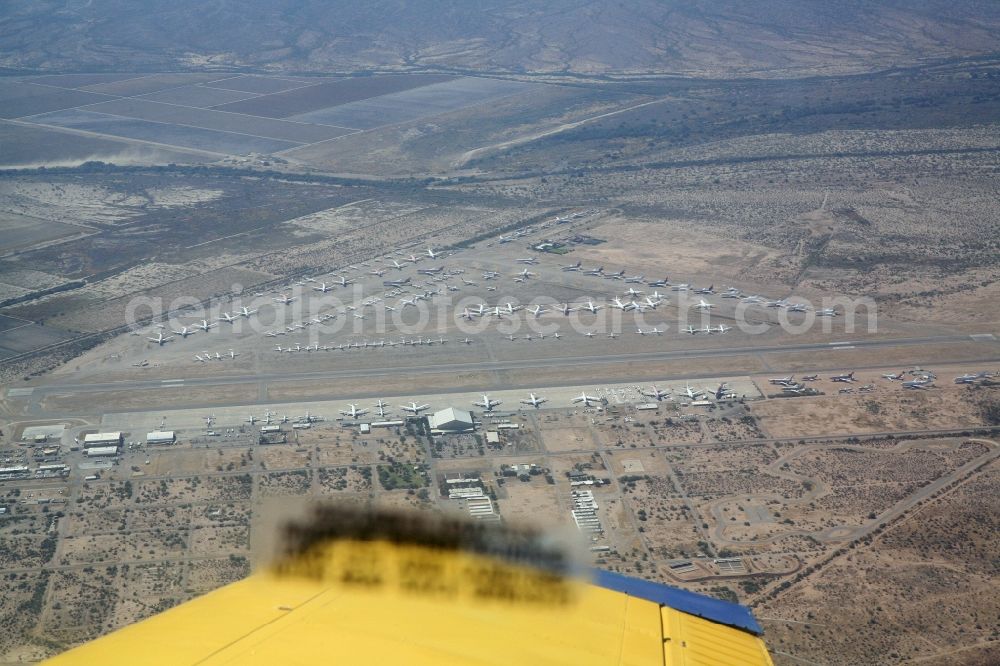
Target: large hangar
column 451, row 420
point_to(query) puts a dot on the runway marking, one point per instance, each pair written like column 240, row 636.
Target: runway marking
column 844, row 347
column 171, row 381
column 983, row 337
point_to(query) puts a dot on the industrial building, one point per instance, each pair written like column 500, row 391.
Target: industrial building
column 585, row 512
column 161, row 437
column 94, row 451
column 102, row 439
column 451, row 420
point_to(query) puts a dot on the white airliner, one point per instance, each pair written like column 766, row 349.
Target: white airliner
column 204, row 325
column 381, row 408
column 285, row 299
column 635, row 279
column 690, row 392
column 621, row 306
column 826, row 312
column 244, row 312
column 590, row 307
column 599, row 271
column 572, row 267
column 415, row 408
column 651, row 303
column 225, row 316
column 782, row 380
column 354, row 412
column 586, row 399
column 656, row 393
column 432, row 254
column 722, row 328
column 684, row 286
column 323, row 287
column 710, row 289
column 847, row 378
column 702, row 305
column 895, row 377
column 659, row 283
column 378, row 271
column 534, row 400
column 159, row 339
column 252, row 419
column 537, row 310
column 528, row 260
column 398, row 266
column 184, row 332
column 633, row 292
column 525, row 274
column 309, row 418
column 487, row 404
column 797, row 307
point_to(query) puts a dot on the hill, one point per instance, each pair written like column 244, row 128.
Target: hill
column 716, row 38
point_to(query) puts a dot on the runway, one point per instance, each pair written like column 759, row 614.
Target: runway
column 498, row 366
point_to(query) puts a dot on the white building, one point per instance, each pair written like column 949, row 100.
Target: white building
column 102, row 451
column 451, row 420
column 160, row 437
column 102, row 439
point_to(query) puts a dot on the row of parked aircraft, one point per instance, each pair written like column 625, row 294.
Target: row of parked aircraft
column 919, row 379
column 729, row 292
column 374, row 344
column 486, row 403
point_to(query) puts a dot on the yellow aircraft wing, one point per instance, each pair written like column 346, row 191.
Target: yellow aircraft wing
column 387, row 601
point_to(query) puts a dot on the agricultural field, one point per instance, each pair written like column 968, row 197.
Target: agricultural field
column 190, row 117
column 197, row 138
column 416, row 103
column 329, row 94
column 211, row 119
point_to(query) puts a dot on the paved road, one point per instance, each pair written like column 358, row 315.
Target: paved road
column 514, row 364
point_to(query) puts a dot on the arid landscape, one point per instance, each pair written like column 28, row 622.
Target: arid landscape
column 706, row 290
